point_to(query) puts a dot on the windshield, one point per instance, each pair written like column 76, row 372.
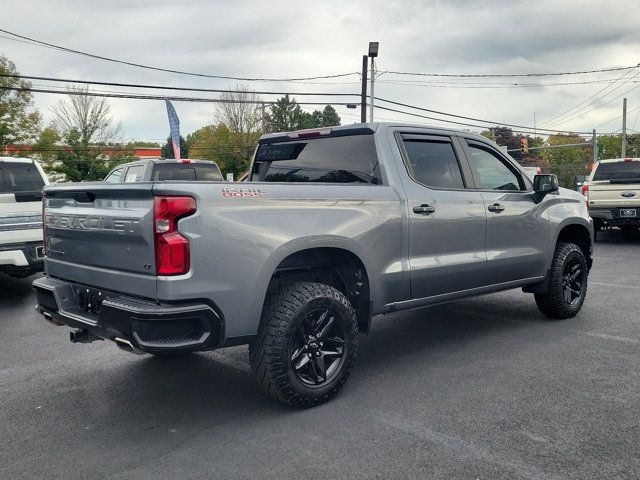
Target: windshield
column 201, row 172
column 618, row 171
column 345, row 159
column 19, row 177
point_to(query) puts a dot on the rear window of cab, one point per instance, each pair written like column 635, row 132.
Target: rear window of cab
column 19, row 177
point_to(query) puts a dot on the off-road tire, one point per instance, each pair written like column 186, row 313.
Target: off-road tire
column 553, row 303
column 270, row 354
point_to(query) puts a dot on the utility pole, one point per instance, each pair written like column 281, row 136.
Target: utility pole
column 624, row 127
column 363, row 94
column 594, row 142
column 373, row 53
column 534, row 125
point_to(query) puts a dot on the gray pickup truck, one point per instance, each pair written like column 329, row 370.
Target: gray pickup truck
column 332, row 227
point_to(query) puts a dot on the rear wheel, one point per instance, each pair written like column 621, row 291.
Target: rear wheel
column 567, row 286
column 306, row 345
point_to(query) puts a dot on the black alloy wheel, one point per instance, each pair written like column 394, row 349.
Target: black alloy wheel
column 318, row 348
column 566, row 284
column 306, row 344
column 572, row 279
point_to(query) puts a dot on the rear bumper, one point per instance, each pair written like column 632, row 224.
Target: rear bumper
column 145, row 326
column 611, row 216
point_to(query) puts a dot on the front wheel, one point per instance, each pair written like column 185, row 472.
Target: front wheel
column 306, row 345
column 567, row 286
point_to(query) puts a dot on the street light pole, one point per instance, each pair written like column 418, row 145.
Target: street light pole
column 373, row 53
column 624, row 127
column 373, row 76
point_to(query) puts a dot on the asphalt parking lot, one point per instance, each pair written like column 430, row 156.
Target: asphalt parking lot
column 481, row 388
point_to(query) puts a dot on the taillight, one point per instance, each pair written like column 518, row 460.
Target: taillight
column 172, row 249
column 585, row 191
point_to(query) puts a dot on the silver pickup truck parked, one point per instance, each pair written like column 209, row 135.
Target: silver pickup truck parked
column 333, row 227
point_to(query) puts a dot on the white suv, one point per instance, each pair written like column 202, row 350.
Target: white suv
column 21, row 182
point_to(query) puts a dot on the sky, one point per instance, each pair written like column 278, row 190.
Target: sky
column 287, row 39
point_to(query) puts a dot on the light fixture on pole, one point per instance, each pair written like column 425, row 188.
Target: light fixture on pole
column 373, row 53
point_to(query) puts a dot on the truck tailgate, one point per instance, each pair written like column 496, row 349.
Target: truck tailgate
column 606, row 194
column 101, row 235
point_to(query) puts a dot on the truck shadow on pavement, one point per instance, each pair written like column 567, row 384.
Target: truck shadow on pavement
column 14, row 291
column 216, row 385
column 617, row 237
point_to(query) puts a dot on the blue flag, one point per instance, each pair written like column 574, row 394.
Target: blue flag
column 174, row 125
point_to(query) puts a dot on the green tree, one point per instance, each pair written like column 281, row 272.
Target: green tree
column 19, row 122
column 167, row 148
column 45, row 146
column 330, row 117
column 78, row 161
column 567, row 162
column 286, row 115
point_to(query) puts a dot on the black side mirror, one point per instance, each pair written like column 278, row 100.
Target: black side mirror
column 544, row 184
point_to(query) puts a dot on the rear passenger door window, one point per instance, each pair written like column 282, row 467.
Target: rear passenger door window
column 115, row 176
column 433, row 163
column 492, row 172
column 134, row 174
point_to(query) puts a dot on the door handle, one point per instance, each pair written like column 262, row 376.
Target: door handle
column 496, row 207
column 424, row 209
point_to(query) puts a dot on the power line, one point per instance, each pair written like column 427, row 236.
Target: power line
column 155, row 97
column 619, row 116
column 601, row 105
column 479, row 119
column 559, row 118
column 160, row 69
column 442, row 119
column 483, row 85
column 495, row 75
column 163, row 87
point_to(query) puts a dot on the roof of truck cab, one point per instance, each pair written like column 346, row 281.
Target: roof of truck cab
column 614, row 160
column 166, row 161
column 373, row 126
column 16, row 160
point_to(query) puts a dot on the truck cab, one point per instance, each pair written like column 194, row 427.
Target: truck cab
column 159, row 170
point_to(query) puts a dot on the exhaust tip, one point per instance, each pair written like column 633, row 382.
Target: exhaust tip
column 49, row 318
column 127, row 346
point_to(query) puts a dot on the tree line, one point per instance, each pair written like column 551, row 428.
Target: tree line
column 566, row 162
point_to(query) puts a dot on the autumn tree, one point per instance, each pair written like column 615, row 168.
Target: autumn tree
column 19, row 121
column 241, row 112
column 220, row 144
